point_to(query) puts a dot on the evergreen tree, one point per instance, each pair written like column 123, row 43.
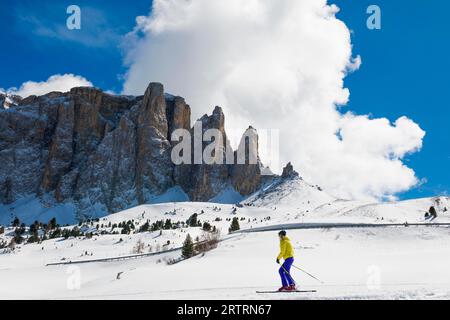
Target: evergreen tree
column 16, row 222
column 234, row 225
column 433, row 212
column 34, row 237
column 125, row 229
column 52, row 224
column 145, row 227
column 34, row 227
column 188, row 247
column 55, row 233
column 18, row 239
column 192, row 221
column 168, row 225
column 206, row 226
column 158, row 225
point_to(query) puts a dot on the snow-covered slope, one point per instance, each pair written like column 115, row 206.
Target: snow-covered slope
column 295, row 200
column 411, row 211
column 292, row 193
column 31, row 208
column 360, row 263
column 397, row 263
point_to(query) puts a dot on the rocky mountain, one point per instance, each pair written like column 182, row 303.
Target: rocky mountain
column 8, row 100
column 104, row 153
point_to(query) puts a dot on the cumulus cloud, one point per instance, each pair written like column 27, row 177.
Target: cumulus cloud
column 62, row 83
column 275, row 64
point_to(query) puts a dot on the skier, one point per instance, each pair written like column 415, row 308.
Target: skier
column 287, row 254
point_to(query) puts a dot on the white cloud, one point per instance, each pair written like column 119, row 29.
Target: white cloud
column 354, row 64
column 275, row 64
column 62, row 83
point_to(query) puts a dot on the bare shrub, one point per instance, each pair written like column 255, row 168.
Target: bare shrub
column 172, row 261
column 210, row 242
column 139, row 247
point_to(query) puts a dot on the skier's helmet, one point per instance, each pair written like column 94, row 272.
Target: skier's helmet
column 282, row 233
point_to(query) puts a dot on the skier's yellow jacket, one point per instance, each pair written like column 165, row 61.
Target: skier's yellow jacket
column 286, row 250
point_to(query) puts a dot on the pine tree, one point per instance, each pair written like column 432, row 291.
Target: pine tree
column 192, row 221
column 206, row 226
column 18, row 232
column 16, row 222
column 188, row 247
column 34, row 237
column 52, row 224
column 34, row 227
column 168, row 225
column 145, row 227
column 433, row 212
column 234, row 225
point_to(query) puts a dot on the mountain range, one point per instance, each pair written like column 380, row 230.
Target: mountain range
column 92, row 153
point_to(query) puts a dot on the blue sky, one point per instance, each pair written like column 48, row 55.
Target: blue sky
column 404, row 72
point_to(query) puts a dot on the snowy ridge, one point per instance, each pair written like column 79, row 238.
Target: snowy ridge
column 295, row 200
column 391, row 212
column 292, row 193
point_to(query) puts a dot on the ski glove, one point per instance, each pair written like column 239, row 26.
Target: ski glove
column 278, row 261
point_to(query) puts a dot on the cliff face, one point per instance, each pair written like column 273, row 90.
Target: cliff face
column 102, row 151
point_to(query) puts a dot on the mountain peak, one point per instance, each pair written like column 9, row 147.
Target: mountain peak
column 102, row 153
column 289, row 172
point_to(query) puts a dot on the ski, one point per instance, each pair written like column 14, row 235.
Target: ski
column 298, row 291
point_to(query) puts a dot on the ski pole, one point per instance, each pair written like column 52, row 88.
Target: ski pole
column 288, row 273
column 309, row 274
